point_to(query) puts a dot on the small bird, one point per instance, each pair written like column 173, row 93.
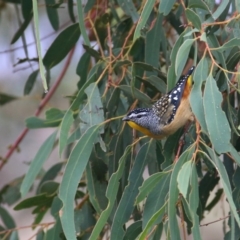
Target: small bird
column 168, row 114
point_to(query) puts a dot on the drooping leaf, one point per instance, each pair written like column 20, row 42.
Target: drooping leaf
column 217, row 124
column 184, row 178
column 30, row 82
column 193, row 18
column 52, row 14
column 129, row 8
column 135, row 179
column 111, row 194
column 200, row 75
column 37, row 163
column 61, row 46
column 74, row 169
column 5, row 98
column 144, row 17
column 165, row 6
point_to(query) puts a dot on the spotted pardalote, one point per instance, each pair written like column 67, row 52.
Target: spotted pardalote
column 168, row 114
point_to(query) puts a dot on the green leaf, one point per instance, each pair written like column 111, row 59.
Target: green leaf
column 92, row 113
column 61, row 46
column 21, row 30
column 52, row 14
column 111, row 194
column 194, row 202
column 30, row 82
column 165, row 6
column 217, row 124
column 147, row 9
column 184, row 177
column 37, row 163
column 74, row 169
column 38, row 40
column 157, row 198
column 135, row 94
column 92, row 52
column 82, row 67
column 171, row 76
column 198, row 4
column 88, row 6
column 71, row 10
column 64, row 128
column 234, row 154
column 34, row 122
column 220, row 9
column 225, row 182
column 38, row 200
column 152, row 221
column 96, row 190
column 5, row 98
column 148, row 185
column 153, row 39
column 133, row 231
column 193, row 18
column 182, row 56
column 158, row 83
column 82, row 23
column 7, row 218
column 230, row 44
column 27, row 9
column 51, row 174
column 173, row 193
column 200, row 75
column 135, row 179
column 129, row 8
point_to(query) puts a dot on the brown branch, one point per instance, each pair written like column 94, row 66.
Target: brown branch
column 40, row 108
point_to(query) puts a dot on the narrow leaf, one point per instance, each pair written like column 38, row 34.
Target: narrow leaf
column 194, row 203
column 182, row 56
column 217, row 124
column 38, row 40
column 165, row 6
column 52, row 14
column 20, row 31
column 5, row 98
column 129, row 8
column 148, row 186
column 74, row 169
column 200, row 75
column 173, row 193
column 111, row 194
column 37, row 163
column 135, row 179
column 193, row 18
column 225, row 182
column 147, row 9
column 30, row 82
column 230, row 44
column 152, row 221
column 220, row 9
column 64, row 128
column 61, row 46
column 82, row 23
column 136, row 94
column 184, row 177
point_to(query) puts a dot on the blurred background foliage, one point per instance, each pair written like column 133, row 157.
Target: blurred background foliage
column 110, row 182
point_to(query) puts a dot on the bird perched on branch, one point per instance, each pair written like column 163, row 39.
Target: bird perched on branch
column 168, row 114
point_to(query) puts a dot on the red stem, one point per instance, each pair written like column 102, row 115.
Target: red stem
column 39, row 109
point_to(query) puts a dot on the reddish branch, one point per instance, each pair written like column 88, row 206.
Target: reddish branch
column 39, row 109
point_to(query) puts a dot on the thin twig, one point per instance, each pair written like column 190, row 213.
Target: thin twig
column 43, row 103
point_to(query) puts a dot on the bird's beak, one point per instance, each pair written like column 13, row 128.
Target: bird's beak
column 125, row 118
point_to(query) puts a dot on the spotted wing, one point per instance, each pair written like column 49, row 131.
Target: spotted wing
column 166, row 107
